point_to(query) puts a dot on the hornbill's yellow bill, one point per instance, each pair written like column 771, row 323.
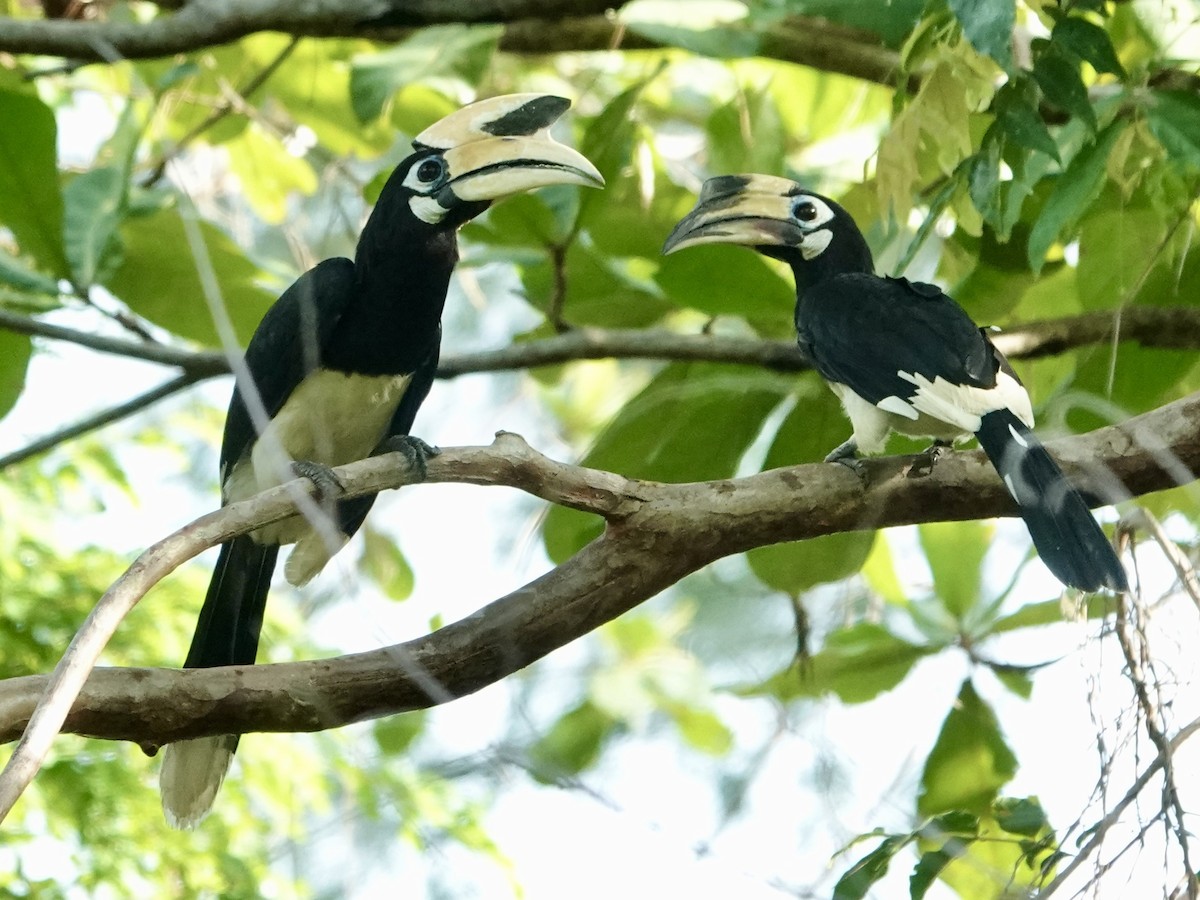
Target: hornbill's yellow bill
column 493, row 149
column 752, row 210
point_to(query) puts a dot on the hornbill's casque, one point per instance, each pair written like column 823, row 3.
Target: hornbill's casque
column 341, row 362
column 903, row 356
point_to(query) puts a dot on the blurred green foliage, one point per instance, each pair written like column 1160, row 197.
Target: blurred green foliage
column 1035, row 185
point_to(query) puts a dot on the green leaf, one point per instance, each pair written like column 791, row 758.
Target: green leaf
column 159, row 280
column 701, row 729
column 808, row 432
column 725, row 280
column 747, row 135
column 970, row 761
column 1017, row 114
column 988, row 25
column 1073, row 191
column 396, row 734
column 608, row 141
column 95, row 206
column 268, row 172
column 1174, row 119
column 1089, row 42
column 892, row 21
column 1052, row 612
column 1023, row 816
column 573, row 744
column 429, row 53
column 31, row 204
column 857, row 664
column 386, row 565
column 15, row 273
column 1063, row 86
column 926, row 871
column 693, row 422
column 599, row 290
column 857, row 881
column 719, row 42
column 955, row 552
column 15, row 352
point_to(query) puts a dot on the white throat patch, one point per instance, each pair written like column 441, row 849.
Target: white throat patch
column 815, row 243
column 427, row 209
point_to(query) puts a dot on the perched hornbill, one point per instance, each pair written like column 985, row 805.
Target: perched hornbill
column 903, row 356
column 341, row 363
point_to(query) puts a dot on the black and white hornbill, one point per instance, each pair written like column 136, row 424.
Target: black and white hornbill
column 903, row 356
column 341, row 363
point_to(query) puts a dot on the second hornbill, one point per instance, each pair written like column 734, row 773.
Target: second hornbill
column 902, row 355
column 340, row 363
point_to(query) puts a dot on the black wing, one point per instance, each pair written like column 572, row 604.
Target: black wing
column 861, row 330
column 286, row 347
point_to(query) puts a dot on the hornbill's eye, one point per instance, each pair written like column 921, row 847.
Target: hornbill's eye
column 430, row 170
column 805, row 211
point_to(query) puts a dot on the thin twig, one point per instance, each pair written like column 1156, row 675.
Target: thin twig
column 98, row 420
column 230, row 104
column 1101, row 828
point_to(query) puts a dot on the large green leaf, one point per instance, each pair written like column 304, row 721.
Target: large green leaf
column 1089, row 42
column 159, row 278
column 95, row 206
column 595, row 290
column 747, row 135
column 970, row 761
column 725, row 280
column 811, row 430
column 31, row 204
column 1058, row 77
column 988, row 25
column 857, row 881
column 430, row 52
column 15, row 351
column 1075, row 189
column 857, row 664
column 955, row 552
column 693, row 422
column 1174, row 118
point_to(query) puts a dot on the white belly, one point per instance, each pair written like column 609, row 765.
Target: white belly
column 331, row 419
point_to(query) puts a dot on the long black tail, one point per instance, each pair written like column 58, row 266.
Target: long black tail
column 1067, row 537
column 231, row 618
column 226, row 634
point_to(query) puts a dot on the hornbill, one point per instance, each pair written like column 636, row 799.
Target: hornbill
column 902, row 355
column 341, row 362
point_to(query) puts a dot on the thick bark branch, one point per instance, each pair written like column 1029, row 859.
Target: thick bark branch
column 655, row 534
column 532, row 27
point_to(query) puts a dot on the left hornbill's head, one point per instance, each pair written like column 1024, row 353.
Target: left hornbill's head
column 485, row 151
column 779, row 218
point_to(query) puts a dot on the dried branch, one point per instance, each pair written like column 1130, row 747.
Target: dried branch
column 655, row 534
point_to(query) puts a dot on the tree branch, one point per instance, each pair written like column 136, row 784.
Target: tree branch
column 1162, row 327
column 656, row 533
column 1175, row 328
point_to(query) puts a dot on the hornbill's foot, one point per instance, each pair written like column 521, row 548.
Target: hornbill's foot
column 928, row 458
column 415, row 451
column 327, row 484
column 846, row 454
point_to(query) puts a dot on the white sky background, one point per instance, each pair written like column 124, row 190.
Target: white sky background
column 648, row 824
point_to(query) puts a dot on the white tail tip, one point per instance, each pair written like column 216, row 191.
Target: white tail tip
column 192, row 772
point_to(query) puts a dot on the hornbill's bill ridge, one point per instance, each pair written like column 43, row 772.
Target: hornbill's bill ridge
column 341, row 363
column 903, row 356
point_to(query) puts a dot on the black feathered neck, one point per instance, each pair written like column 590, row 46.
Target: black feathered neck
column 847, row 251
